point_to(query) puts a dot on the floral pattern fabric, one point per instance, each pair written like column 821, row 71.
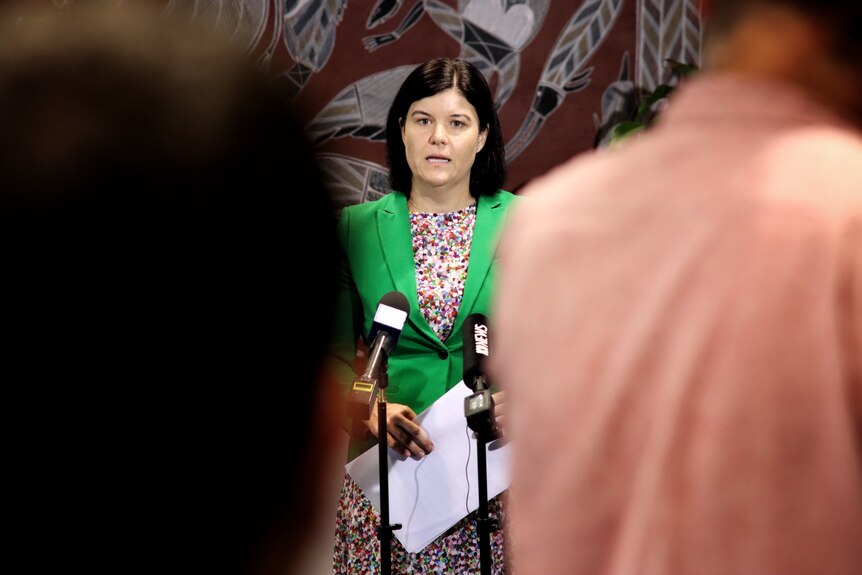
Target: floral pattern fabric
column 456, row 552
column 441, row 251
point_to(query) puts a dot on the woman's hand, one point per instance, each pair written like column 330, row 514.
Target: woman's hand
column 403, row 434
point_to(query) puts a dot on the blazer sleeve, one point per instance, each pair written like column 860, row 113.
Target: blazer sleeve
column 348, row 312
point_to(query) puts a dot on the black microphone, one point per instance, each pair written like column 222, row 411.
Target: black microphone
column 476, row 351
column 478, row 407
column 385, row 330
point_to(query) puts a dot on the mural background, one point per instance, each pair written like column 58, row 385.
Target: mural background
column 561, row 70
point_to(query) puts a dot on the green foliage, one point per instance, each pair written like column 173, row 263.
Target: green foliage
column 649, row 105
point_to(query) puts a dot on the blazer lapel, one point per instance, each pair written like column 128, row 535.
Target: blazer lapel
column 489, row 217
column 393, row 226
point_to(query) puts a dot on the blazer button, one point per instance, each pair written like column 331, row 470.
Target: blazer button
column 442, row 354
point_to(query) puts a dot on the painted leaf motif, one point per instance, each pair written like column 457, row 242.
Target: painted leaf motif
column 242, row 20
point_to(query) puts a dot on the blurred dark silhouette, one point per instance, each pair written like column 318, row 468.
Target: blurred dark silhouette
column 168, row 270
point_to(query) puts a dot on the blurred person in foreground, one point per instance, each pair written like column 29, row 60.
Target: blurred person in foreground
column 167, row 405
column 433, row 239
column 679, row 322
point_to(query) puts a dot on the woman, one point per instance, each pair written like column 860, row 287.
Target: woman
column 433, row 239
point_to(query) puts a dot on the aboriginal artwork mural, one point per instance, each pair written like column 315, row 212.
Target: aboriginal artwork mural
column 562, row 71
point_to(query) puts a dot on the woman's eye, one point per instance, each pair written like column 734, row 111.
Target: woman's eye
column 457, row 123
column 423, row 121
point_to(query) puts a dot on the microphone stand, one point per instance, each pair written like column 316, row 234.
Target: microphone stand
column 385, row 529
column 478, row 409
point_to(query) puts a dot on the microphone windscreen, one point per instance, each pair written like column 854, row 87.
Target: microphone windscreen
column 390, row 316
column 476, row 348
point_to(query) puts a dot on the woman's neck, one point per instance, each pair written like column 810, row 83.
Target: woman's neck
column 438, row 203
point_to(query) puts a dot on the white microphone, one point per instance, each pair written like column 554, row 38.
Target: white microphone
column 385, row 330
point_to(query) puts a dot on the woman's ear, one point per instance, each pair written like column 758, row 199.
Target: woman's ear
column 480, row 143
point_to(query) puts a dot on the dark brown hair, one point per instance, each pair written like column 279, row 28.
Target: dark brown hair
column 438, row 75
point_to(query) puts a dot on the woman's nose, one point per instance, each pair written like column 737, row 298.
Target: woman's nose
column 438, row 134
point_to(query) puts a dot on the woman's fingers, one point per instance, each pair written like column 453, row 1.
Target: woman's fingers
column 408, row 437
column 403, row 434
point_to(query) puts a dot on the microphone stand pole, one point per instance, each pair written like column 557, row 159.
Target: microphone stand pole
column 483, row 520
column 385, row 529
column 479, row 409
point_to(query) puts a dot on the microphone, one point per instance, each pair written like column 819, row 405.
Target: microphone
column 478, row 407
column 385, row 330
column 476, row 351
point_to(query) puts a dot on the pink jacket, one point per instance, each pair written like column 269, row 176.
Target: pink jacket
column 679, row 328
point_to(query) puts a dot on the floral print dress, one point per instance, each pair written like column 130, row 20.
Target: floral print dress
column 441, row 248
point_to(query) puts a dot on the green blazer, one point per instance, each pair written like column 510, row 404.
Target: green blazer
column 377, row 257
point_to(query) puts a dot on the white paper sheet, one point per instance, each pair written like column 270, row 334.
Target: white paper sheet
column 430, row 495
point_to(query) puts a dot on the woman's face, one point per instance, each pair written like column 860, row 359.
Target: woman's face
column 441, row 138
